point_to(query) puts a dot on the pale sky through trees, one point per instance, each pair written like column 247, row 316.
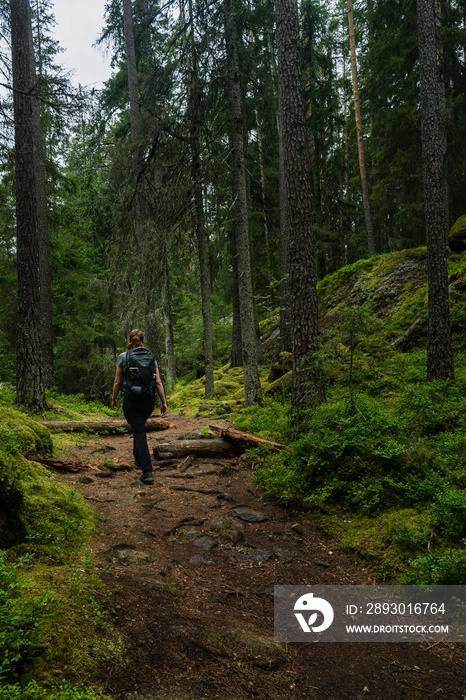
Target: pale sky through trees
column 77, row 26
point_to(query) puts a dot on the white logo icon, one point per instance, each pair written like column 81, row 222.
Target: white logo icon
column 307, row 603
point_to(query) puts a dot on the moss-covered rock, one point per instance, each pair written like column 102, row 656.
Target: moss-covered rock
column 18, row 433
column 380, row 282
column 282, row 385
column 457, row 235
column 21, row 433
column 280, row 367
column 58, row 520
column 12, row 525
column 35, row 508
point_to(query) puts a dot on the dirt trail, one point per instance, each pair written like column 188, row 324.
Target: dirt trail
column 194, row 585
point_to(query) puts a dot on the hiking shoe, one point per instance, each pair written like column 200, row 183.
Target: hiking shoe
column 147, row 478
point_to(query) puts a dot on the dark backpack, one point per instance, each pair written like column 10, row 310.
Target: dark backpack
column 139, row 372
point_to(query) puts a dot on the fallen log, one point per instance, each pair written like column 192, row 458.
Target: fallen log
column 199, row 448
column 60, row 465
column 244, row 440
column 406, row 334
column 109, row 427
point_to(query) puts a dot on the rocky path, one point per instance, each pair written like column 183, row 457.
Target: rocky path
column 192, row 561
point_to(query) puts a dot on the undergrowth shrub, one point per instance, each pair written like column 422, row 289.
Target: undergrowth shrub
column 449, row 514
column 270, row 421
column 374, row 463
column 445, row 569
column 433, row 407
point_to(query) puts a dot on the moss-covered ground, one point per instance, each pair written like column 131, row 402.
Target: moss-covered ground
column 51, row 600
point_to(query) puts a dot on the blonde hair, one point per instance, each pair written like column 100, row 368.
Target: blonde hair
column 136, row 339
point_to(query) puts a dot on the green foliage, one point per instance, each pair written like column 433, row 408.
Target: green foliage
column 449, row 514
column 32, row 691
column 445, row 569
column 382, row 465
column 269, row 421
column 51, row 616
column 22, row 616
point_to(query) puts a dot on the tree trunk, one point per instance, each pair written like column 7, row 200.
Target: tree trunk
column 245, row 440
column 260, row 147
column 135, row 119
column 252, row 387
column 308, row 385
column 109, row 427
column 202, row 247
column 29, row 373
column 45, row 272
column 362, row 159
column 201, row 448
column 168, row 323
column 236, row 359
column 286, row 343
column 434, row 166
column 139, row 189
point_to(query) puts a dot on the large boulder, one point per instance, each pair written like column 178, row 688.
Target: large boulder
column 457, row 235
column 12, row 525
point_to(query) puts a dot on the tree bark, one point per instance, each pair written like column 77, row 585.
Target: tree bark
column 362, row 159
column 167, row 320
column 260, row 148
column 108, row 427
column 252, row 387
column 236, row 359
column 434, row 167
column 30, row 389
column 286, row 342
column 200, row 448
column 135, row 118
column 308, row 386
column 202, row 246
column 45, row 272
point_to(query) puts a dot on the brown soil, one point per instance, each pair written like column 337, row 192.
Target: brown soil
column 199, row 623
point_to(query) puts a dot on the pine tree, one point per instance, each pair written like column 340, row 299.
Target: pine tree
column 308, row 385
column 28, row 149
column 434, row 153
column 252, row 387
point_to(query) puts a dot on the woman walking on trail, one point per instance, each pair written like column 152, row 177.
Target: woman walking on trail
column 138, row 374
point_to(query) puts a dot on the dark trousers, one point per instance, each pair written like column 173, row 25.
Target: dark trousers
column 137, row 411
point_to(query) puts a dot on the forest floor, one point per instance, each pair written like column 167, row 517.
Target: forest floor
column 193, row 589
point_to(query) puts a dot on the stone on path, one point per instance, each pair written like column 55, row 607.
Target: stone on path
column 206, row 543
column 228, row 529
column 248, row 515
column 131, row 556
column 200, row 560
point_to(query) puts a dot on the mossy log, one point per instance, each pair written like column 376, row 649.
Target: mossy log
column 406, row 334
column 60, row 465
column 243, row 440
column 106, row 427
column 200, row 448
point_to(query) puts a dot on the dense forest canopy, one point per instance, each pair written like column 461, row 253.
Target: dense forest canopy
column 141, row 178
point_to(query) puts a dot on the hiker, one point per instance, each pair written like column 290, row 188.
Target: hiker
column 138, row 373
